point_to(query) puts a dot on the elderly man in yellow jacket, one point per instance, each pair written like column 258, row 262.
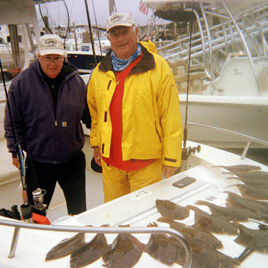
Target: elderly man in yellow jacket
column 136, row 129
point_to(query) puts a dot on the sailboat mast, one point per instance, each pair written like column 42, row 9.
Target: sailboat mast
column 90, row 33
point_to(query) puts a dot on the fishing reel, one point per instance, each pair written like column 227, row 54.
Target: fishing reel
column 38, row 208
column 38, row 198
column 187, row 151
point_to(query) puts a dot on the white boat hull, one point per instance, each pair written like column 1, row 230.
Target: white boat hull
column 244, row 115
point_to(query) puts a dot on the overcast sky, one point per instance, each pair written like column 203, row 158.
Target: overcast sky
column 77, row 10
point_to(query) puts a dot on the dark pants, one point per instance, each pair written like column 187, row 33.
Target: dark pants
column 70, row 176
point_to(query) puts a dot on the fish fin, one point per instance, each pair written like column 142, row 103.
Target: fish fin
column 237, row 184
column 154, row 224
column 166, row 220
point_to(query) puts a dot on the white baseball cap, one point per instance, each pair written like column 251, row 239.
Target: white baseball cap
column 119, row 19
column 50, row 44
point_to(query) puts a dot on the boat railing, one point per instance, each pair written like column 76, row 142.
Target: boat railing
column 213, row 43
column 248, row 139
column 100, row 230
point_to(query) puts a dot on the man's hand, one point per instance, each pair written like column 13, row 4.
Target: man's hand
column 16, row 162
column 97, row 155
column 168, row 171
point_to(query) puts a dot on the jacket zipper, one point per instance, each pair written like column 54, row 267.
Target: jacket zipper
column 56, row 125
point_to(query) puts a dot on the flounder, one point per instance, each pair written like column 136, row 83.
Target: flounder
column 89, row 252
column 230, row 213
column 171, row 210
column 252, row 179
column 124, row 252
column 161, row 248
column 213, row 224
column 207, row 257
column 254, row 175
column 211, row 258
column 239, row 168
column 238, row 201
column 254, row 193
column 195, row 236
column 66, row 247
column 254, row 239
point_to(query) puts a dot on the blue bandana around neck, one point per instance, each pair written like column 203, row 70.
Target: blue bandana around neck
column 122, row 64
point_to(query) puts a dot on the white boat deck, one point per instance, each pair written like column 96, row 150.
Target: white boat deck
column 138, row 209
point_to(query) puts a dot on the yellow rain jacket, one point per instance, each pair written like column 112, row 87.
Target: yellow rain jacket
column 152, row 127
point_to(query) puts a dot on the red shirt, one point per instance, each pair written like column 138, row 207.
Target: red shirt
column 115, row 158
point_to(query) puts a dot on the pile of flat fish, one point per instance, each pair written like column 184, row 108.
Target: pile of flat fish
column 254, row 187
column 126, row 250
column 169, row 250
column 225, row 220
column 254, row 182
column 203, row 243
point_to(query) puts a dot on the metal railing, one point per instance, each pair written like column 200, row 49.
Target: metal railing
column 99, row 230
column 248, row 139
column 217, row 39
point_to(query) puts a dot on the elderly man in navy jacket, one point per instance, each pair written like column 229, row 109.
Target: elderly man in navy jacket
column 48, row 103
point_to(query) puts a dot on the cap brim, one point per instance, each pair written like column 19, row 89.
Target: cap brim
column 120, row 24
column 51, row 51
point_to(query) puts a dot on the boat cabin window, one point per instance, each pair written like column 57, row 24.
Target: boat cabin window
column 19, row 39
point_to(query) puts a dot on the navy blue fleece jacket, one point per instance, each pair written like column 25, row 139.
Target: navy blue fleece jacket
column 47, row 137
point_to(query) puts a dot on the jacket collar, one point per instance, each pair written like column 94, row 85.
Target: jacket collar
column 147, row 63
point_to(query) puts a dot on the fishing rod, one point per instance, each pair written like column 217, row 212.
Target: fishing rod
column 98, row 31
column 91, row 34
column 187, row 151
column 26, row 208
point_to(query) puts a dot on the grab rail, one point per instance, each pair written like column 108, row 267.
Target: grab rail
column 249, row 139
column 100, row 230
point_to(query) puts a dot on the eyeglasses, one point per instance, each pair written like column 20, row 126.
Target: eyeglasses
column 50, row 59
column 118, row 33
